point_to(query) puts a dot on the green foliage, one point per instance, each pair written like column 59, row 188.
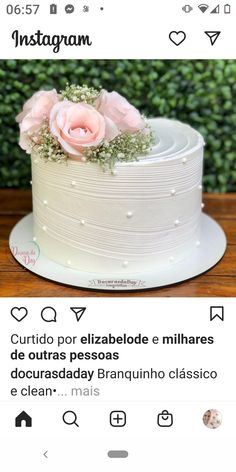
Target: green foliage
column 201, row 93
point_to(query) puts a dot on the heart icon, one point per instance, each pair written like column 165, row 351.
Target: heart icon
column 19, row 313
column 177, row 37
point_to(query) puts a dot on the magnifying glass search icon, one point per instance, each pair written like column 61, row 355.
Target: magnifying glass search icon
column 70, row 417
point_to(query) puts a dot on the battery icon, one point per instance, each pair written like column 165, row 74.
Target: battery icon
column 227, row 8
column 53, row 9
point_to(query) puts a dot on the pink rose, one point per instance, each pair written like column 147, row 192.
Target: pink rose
column 120, row 111
column 78, row 126
column 35, row 110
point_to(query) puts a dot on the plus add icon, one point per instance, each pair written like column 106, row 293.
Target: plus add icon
column 118, row 418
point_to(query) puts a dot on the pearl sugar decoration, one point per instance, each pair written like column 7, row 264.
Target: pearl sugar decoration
column 45, row 202
column 44, row 228
column 125, row 264
column 82, row 222
column 198, row 243
column 73, row 183
column 177, row 222
column 129, row 214
column 184, row 160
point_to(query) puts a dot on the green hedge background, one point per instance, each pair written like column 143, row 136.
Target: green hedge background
column 201, row 93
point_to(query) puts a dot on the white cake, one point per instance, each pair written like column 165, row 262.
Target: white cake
column 143, row 215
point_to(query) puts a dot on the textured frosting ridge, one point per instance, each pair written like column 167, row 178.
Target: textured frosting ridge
column 144, row 214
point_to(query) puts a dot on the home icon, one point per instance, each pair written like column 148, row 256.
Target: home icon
column 23, row 417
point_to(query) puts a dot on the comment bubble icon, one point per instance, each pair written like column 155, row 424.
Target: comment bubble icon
column 49, row 314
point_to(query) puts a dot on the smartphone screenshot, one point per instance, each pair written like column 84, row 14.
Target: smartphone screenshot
column 117, row 235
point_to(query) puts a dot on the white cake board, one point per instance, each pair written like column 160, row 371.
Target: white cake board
column 27, row 253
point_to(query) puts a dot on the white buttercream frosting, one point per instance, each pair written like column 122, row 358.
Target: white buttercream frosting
column 144, row 214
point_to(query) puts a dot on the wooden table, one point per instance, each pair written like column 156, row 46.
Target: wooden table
column 15, row 281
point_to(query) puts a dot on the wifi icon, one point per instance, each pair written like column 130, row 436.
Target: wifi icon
column 203, row 7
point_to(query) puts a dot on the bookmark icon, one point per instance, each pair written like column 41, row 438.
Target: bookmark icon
column 217, row 312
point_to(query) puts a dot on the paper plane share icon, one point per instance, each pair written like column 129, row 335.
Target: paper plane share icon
column 213, row 36
column 79, row 311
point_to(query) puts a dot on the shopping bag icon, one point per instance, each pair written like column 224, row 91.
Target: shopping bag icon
column 165, row 419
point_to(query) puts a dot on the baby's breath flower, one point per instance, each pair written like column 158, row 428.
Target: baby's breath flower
column 47, row 147
column 78, row 94
column 124, row 148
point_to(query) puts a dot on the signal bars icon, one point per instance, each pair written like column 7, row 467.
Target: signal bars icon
column 216, row 9
column 204, row 7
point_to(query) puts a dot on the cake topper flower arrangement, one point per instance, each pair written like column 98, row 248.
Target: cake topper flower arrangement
column 84, row 124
